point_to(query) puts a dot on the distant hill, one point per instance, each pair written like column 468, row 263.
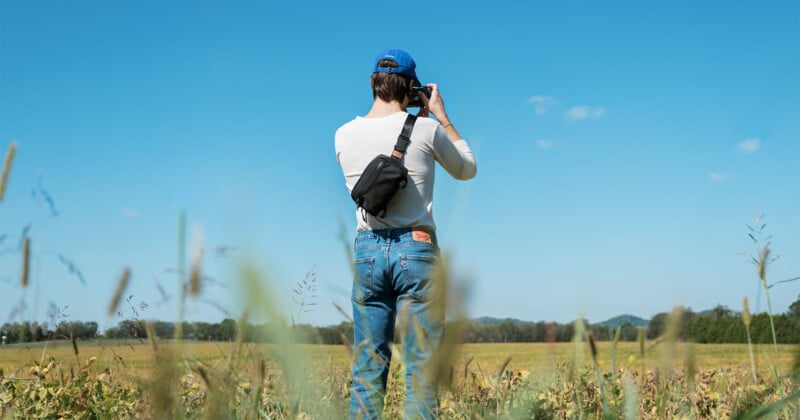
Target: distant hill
column 619, row 320
column 612, row 323
column 711, row 311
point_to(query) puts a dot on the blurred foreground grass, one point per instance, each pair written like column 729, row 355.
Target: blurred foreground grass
column 167, row 379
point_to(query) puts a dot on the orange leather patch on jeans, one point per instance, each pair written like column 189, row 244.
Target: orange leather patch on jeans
column 421, row 236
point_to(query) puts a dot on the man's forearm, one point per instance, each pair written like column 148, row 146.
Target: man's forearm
column 449, row 128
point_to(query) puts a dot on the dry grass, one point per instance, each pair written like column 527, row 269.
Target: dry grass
column 122, row 284
column 26, row 262
column 12, row 150
column 539, row 358
column 519, row 380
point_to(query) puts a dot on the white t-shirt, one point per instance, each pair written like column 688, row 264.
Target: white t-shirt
column 362, row 139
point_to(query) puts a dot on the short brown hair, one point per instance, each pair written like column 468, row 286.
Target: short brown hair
column 390, row 86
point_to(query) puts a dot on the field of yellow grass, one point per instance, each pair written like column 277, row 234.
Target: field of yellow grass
column 538, row 358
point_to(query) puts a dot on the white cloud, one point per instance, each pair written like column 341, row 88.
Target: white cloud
column 542, row 103
column 717, row 177
column 749, row 145
column 585, row 112
column 545, row 144
column 127, row 212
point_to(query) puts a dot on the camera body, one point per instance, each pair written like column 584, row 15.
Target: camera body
column 415, row 101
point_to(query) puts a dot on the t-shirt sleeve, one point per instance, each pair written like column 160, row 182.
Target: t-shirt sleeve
column 336, row 149
column 454, row 156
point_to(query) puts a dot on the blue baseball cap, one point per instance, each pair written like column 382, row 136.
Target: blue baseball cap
column 405, row 64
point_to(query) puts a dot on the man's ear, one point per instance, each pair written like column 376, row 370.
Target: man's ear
column 409, row 91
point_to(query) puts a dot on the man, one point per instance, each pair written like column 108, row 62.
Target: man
column 396, row 255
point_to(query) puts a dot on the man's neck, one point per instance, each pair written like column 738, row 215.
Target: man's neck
column 381, row 108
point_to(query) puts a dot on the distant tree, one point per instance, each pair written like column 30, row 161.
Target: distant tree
column 532, row 332
column 226, row 330
column 24, row 332
column 131, row 328
column 794, row 309
column 7, row 331
column 165, row 329
column 112, row 332
column 37, row 334
column 81, row 330
column 564, row 332
column 601, row 332
column 333, row 334
column 189, row 331
column 657, row 325
column 721, row 311
column 203, row 331
column 628, row 332
column 539, row 332
column 508, row 331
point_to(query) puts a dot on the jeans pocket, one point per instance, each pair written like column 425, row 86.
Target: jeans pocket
column 362, row 283
column 418, row 273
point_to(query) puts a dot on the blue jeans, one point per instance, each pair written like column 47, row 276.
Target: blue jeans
column 395, row 291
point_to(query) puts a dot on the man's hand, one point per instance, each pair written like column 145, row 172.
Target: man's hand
column 435, row 105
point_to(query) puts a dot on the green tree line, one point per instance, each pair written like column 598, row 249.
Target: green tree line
column 720, row 325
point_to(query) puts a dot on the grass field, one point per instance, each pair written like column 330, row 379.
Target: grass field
column 130, row 378
column 534, row 357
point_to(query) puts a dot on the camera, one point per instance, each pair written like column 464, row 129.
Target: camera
column 415, row 101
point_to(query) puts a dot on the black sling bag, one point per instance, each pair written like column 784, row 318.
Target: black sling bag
column 384, row 176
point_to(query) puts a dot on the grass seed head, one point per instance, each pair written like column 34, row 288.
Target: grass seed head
column 641, row 341
column 763, row 257
column 593, row 346
column 745, row 312
column 26, row 262
column 151, row 336
column 503, row 368
column 347, row 345
column 197, row 265
column 12, row 150
column 691, row 363
column 74, row 343
column 121, row 285
column 343, row 313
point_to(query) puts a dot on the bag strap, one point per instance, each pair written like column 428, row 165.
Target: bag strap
column 404, row 139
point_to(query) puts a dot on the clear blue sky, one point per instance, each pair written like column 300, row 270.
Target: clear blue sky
column 622, row 149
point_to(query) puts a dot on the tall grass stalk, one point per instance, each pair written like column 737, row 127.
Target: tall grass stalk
column 763, row 259
column 288, row 355
column 578, row 340
column 691, row 364
column 577, row 356
column 599, row 374
column 181, row 273
column 122, row 283
column 614, row 353
column 670, row 338
column 26, row 262
column 629, row 400
column 12, row 150
column 641, row 338
column 196, row 272
column 746, row 319
column 761, row 262
column 75, row 348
